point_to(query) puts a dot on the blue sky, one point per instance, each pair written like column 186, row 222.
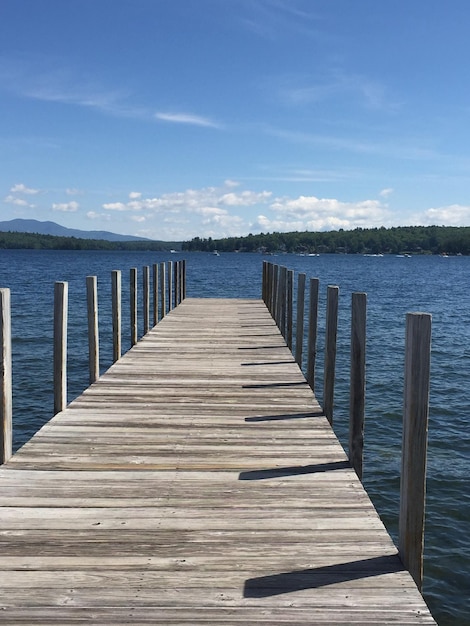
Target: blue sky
column 179, row 118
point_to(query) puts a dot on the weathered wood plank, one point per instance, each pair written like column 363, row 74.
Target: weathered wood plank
column 196, row 482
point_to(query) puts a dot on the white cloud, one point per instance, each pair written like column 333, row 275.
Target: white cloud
column 93, row 215
column 66, row 207
column 187, row 118
column 20, row 188
column 451, row 215
column 245, row 198
column 134, row 195
column 138, row 218
column 18, row 201
column 311, row 213
column 386, row 192
column 73, row 192
column 207, row 199
column 115, row 206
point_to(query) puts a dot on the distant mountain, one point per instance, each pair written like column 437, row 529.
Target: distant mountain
column 51, row 228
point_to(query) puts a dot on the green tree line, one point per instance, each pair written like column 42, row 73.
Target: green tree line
column 397, row 240
column 33, row 241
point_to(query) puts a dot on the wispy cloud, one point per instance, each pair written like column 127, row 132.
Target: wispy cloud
column 393, row 149
column 21, row 188
column 40, row 80
column 271, row 19
column 333, row 84
column 186, row 118
column 66, row 207
column 18, row 201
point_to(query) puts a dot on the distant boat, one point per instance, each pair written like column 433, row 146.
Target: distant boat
column 172, row 251
column 215, row 253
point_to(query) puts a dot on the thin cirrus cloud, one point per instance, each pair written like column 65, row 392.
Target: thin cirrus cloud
column 187, row 118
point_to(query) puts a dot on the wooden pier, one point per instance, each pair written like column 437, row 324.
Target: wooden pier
column 196, row 482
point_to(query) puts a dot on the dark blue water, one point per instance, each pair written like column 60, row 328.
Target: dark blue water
column 394, row 286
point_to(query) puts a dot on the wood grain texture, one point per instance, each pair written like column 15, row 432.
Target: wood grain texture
column 196, row 482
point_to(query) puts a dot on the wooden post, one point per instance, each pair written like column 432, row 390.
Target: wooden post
column 357, row 390
column 146, row 297
column 312, row 332
column 133, row 304
column 270, row 287
column 283, row 303
column 170, row 285
column 264, row 281
column 116, row 313
column 299, row 333
column 330, row 351
column 60, row 346
column 163, row 289
column 6, row 411
column 175, row 283
column 290, row 308
column 155, row 293
column 414, row 450
column 93, row 335
column 275, row 291
column 184, row 279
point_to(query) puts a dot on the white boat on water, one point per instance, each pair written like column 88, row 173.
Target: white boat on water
column 215, row 253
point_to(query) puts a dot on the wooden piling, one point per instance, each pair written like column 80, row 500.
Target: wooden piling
column 146, row 298
column 163, row 289
column 170, row 285
column 290, row 308
column 312, row 332
column 155, row 293
column 357, row 387
column 133, row 304
column 60, row 346
column 6, row 429
column 414, row 448
column 275, row 292
column 299, row 334
column 93, row 334
column 330, row 351
column 116, row 313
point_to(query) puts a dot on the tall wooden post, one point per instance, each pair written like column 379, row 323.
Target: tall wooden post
column 155, row 293
column 415, row 438
column 264, row 282
column 283, row 301
column 93, row 334
column 60, row 346
column 6, row 412
column 176, row 266
column 299, row 333
column 163, row 289
column 312, row 332
column 116, row 313
column 184, row 279
column 133, row 304
column 330, row 351
column 290, row 308
column 146, row 298
column 357, row 389
column 275, row 291
column 170, row 285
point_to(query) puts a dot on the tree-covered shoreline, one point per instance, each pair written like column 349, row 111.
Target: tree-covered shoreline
column 450, row 240
column 397, row 240
column 34, row 241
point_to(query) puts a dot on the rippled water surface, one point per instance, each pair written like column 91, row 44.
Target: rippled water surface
column 394, row 286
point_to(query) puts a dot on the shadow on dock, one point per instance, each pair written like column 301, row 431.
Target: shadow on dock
column 295, row 470
column 313, row 578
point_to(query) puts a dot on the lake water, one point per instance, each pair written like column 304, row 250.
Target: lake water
column 394, row 286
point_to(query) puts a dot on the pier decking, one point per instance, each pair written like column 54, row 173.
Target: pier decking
column 197, row 482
